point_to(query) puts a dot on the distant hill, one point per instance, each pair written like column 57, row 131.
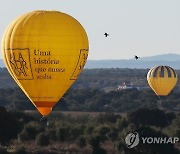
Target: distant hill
column 163, row 57
column 172, row 60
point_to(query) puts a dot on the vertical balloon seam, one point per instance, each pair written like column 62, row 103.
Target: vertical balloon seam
column 157, row 79
column 21, row 48
column 175, row 75
column 28, row 18
column 19, row 21
column 162, row 71
column 151, row 81
column 155, row 73
column 6, row 57
column 169, row 72
column 5, row 49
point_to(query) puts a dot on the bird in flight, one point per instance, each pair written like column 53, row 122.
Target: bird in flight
column 136, row 57
column 106, row 34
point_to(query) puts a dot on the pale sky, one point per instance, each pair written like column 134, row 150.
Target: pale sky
column 141, row 27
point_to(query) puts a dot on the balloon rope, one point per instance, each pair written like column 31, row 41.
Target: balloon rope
column 159, row 97
column 160, row 100
column 44, row 121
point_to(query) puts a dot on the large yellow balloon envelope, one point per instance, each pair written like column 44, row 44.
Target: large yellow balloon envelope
column 45, row 51
column 162, row 79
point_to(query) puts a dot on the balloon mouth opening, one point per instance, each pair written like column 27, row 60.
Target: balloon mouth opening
column 43, row 107
column 45, row 111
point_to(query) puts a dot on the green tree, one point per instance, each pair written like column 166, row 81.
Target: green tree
column 81, row 141
column 9, row 128
column 42, row 139
column 150, row 117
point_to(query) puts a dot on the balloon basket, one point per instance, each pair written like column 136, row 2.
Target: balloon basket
column 44, row 121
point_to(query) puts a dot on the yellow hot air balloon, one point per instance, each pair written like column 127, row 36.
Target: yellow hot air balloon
column 162, row 79
column 45, row 51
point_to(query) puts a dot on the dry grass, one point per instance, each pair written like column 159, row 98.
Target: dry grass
column 59, row 148
column 74, row 113
column 54, row 148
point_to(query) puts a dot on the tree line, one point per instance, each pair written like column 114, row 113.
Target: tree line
column 100, row 134
column 94, row 78
column 94, row 100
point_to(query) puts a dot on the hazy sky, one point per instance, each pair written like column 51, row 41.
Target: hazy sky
column 142, row 27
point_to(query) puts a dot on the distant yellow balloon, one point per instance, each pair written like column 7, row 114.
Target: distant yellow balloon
column 162, row 79
column 45, row 51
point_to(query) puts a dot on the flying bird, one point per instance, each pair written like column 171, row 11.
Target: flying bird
column 136, row 57
column 106, row 34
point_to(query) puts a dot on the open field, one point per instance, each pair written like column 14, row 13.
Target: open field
column 73, row 113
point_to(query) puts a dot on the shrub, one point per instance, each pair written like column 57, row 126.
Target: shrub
column 81, row 141
column 89, row 129
column 22, row 117
column 21, row 150
column 173, row 129
column 75, row 131
column 3, row 150
column 51, row 133
column 30, row 131
column 63, row 133
column 98, row 150
column 148, row 117
column 23, row 136
column 94, row 140
column 112, row 135
column 10, row 127
column 107, row 118
column 102, row 131
column 121, row 123
column 42, row 139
